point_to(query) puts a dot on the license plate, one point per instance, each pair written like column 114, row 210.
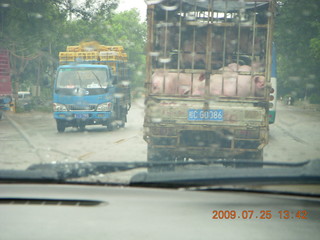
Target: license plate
column 205, row 115
column 81, row 115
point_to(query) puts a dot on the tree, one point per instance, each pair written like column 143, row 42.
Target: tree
column 123, row 29
column 297, row 36
column 129, row 32
column 35, row 31
column 27, row 28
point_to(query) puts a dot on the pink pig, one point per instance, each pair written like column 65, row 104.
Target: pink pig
column 232, row 83
column 174, row 83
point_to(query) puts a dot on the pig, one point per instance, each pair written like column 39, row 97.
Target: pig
column 175, row 83
column 162, row 82
column 216, row 81
column 194, row 56
column 232, row 83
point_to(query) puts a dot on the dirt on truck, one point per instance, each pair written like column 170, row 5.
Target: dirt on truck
column 208, row 80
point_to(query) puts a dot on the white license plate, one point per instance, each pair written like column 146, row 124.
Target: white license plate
column 81, row 115
column 205, row 115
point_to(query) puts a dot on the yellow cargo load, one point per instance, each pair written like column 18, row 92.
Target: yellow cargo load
column 110, row 56
column 93, row 51
column 124, row 57
column 67, row 56
column 90, row 46
column 87, row 56
column 74, row 49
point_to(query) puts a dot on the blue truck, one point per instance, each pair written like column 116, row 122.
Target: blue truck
column 91, row 87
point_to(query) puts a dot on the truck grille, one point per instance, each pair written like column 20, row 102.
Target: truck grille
column 73, row 107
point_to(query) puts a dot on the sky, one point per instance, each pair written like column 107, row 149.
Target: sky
column 139, row 4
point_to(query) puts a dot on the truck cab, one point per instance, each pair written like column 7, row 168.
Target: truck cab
column 84, row 94
column 92, row 87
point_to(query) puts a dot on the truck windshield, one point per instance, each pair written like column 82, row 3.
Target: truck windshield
column 82, row 78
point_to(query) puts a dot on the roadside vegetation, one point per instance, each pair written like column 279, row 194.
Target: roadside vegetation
column 35, row 31
column 297, row 37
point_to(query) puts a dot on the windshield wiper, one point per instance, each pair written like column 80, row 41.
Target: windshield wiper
column 97, row 79
column 213, row 174
column 307, row 172
column 46, row 176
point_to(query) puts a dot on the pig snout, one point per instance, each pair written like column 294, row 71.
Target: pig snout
column 259, row 83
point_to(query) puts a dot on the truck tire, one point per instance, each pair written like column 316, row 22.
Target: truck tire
column 82, row 126
column 61, row 126
column 123, row 120
column 111, row 126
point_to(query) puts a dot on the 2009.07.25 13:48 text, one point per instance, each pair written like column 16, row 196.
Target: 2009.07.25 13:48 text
column 263, row 214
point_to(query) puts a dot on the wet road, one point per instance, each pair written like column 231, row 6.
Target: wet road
column 29, row 138
column 295, row 136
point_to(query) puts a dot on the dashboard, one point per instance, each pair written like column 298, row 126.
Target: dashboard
column 61, row 211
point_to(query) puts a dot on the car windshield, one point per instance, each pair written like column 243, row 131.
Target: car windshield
column 185, row 88
column 83, row 78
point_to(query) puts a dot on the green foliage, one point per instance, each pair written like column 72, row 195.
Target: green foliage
column 297, row 36
column 35, row 31
column 315, row 42
column 123, row 29
column 314, row 99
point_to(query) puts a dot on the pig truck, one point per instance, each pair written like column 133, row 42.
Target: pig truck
column 5, row 82
column 208, row 80
column 91, row 87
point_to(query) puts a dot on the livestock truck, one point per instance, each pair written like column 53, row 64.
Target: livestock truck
column 5, row 82
column 91, row 87
column 208, row 80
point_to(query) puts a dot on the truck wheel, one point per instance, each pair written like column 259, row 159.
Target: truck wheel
column 123, row 117
column 110, row 126
column 82, row 126
column 123, row 121
column 155, row 156
column 61, row 126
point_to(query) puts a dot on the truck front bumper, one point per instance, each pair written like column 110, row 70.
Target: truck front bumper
column 88, row 117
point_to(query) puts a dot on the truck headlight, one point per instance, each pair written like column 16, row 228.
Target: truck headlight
column 57, row 107
column 104, row 107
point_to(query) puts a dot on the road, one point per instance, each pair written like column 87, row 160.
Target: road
column 28, row 138
column 295, row 136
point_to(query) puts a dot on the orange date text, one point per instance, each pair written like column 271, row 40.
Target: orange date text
column 261, row 214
